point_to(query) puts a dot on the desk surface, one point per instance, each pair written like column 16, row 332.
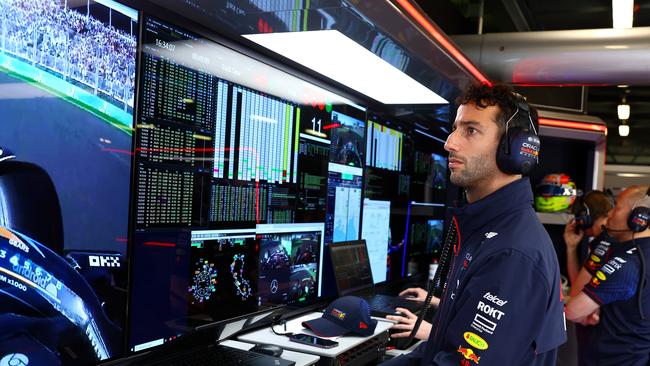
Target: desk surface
column 398, row 352
column 301, row 359
column 347, row 342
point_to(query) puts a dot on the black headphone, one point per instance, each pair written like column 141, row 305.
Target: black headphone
column 583, row 217
column 519, row 146
column 639, row 217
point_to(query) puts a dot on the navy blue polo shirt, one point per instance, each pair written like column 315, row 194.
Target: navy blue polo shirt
column 502, row 302
column 621, row 337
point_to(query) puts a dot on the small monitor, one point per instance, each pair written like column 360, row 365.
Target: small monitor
column 222, row 274
column 384, row 147
column 434, row 236
column 423, row 233
column 313, row 158
column 439, row 171
column 429, row 181
column 289, row 262
column 351, row 266
column 188, row 279
column 376, row 233
column 343, row 215
column 347, row 139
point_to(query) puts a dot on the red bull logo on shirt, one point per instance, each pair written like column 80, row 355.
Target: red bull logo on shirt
column 469, row 354
column 595, row 282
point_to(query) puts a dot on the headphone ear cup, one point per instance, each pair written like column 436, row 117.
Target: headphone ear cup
column 587, row 222
column 582, row 212
column 518, row 151
column 638, row 219
column 584, row 219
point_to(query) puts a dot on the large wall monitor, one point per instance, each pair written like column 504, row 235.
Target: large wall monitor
column 231, row 185
column 67, row 75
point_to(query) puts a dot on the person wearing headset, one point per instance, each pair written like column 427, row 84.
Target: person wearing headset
column 501, row 301
column 591, row 213
column 614, row 296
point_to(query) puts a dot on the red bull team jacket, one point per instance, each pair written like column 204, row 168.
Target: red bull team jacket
column 502, row 302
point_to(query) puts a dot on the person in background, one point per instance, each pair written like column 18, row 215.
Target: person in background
column 590, row 216
column 611, row 291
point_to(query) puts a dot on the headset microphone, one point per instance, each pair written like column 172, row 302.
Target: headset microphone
column 615, row 230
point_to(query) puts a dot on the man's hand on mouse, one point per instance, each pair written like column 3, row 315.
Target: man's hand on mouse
column 406, row 322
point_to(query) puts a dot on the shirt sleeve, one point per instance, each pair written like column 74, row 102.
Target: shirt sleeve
column 506, row 314
column 617, row 280
column 598, row 257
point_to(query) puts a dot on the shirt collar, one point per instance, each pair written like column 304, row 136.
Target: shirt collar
column 512, row 196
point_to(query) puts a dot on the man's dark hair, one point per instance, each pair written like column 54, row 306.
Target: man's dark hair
column 500, row 95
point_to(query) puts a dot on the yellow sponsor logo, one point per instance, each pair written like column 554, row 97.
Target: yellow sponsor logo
column 601, row 276
column 475, row 341
column 595, row 259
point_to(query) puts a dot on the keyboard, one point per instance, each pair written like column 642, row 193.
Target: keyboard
column 381, row 302
column 221, row 355
column 382, row 305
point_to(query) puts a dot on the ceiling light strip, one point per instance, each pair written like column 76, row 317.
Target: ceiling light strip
column 442, row 40
column 573, row 125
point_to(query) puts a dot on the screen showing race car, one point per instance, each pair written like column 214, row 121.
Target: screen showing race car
column 67, row 74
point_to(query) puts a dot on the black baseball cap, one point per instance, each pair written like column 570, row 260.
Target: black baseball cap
column 344, row 315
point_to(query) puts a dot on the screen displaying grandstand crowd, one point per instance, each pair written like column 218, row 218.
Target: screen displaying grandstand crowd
column 67, row 74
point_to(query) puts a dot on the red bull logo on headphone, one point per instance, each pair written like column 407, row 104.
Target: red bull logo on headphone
column 639, row 221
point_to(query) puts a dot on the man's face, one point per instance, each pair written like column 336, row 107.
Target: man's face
column 472, row 145
column 618, row 216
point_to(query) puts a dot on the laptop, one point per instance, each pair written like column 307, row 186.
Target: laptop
column 353, row 276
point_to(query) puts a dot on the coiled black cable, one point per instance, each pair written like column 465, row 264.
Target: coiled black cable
column 436, row 286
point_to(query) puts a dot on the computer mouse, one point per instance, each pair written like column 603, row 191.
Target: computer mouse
column 267, row 349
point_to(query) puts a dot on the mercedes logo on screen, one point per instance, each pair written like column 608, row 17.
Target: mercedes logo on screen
column 274, row 286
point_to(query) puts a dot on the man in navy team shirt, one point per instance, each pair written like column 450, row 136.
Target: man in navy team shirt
column 502, row 303
column 615, row 297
